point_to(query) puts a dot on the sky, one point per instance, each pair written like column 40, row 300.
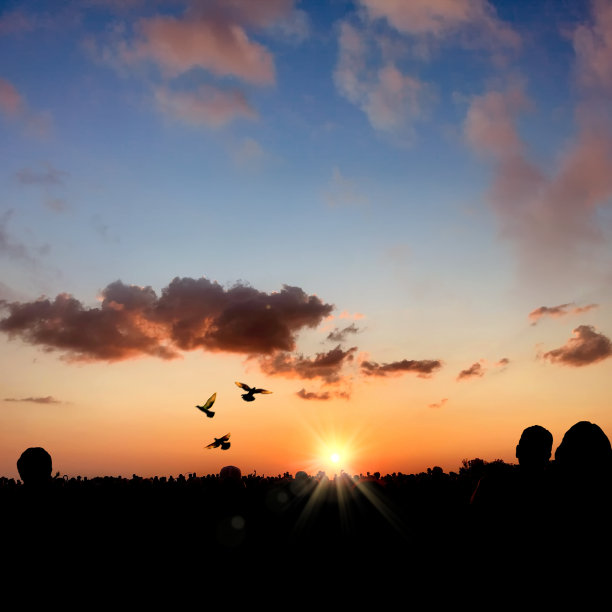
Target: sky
column 394, row 215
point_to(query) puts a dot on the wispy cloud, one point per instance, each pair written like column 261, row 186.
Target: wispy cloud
column 312, row 395
column 13, row 107
column 9, row 246
column 586, row 347
column 424, row 368
column 35, row 400
column 439, row 404
column 550, row 213
column 50, row 176
column 561, row 310
column 207, row 105
column 474, row 371
column 340, row 335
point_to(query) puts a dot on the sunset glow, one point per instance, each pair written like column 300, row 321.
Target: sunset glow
column 389, row 220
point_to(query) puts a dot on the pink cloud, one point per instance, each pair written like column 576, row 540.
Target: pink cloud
column 440, row 18
column 217, row 43
column 391, row 99
column 16, row 22
column 11, row 102
column 345, row 314
column 208, row 105
column 586, row 347
column 593, row 47
column 550, row 218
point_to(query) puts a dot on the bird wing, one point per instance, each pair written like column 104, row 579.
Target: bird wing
column 225, row 438
column 213, row 444
column 209, row 402
column 243, row 386
column 261, row 391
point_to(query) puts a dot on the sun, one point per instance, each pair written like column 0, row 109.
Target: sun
column 334, row 457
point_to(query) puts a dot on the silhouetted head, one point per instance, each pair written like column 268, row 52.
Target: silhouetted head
column 534, row 448
column 34, row 466
column 230, row 473
column 585, row 448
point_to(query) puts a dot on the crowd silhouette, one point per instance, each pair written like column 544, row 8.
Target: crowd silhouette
column 486, row 509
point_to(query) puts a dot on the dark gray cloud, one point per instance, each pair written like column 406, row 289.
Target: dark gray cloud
column 561, row 310
column 340, row 335
column 189, row 314
column 326, row 366
column 36, row 400
column 474, row 371
column 586, row 347
column 423, row 368
column 312, row 395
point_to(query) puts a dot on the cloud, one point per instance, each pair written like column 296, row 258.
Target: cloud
column 593, row 48
column 212, row 36
column 474, row 371
column 326, row 366
column 311, row 395
column 343, row 191
column 391, row 99
column 13, row 106
column 206, row 106
column 48, row 177
column 440, row 18
column 57, row 205
column 8, row 246
column 439, row 404
column 559, row 311
column 551, row 218
column 345, row 314
column 586, row 347
column 249, row 153
column 190, row 314
column 16, row 22
column 424, row 368
column 36, row 400
column 340, row 335
column 11, row 102
column 504, row 361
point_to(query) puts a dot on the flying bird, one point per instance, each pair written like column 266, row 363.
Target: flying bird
column 208, row 405
column 220, row 442
column 248, row 396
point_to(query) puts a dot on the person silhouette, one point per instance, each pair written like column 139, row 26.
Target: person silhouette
column 34, row 467
column 584, row 464
column 534, row 449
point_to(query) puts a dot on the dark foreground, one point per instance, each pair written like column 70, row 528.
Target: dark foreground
column 428, row 520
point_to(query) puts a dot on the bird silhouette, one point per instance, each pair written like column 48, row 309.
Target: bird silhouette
column 248, row 396
column 208, row 405
column 220, row 442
